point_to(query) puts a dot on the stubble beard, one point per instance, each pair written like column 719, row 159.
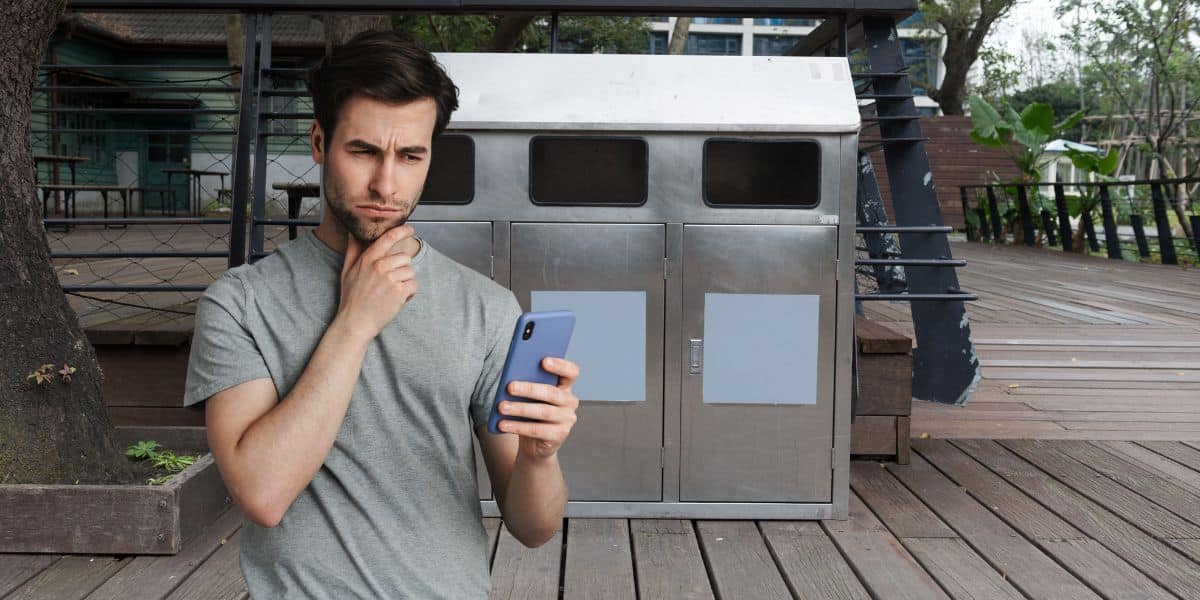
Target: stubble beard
column 365, row 230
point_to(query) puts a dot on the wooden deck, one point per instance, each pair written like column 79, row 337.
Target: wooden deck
column 1037, row 519
column 1072, row 347
column 1102, row 355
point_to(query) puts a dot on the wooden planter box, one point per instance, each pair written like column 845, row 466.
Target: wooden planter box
column 881, row 428
column 116, row 519
column 125, row 356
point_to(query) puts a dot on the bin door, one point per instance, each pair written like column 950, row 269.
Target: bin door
column 612, row 277
column 469, row 243
column 758, row 358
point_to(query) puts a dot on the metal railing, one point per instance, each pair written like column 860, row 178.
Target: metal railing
column 993, row 212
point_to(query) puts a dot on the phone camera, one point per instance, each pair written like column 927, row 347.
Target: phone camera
column 528, row 330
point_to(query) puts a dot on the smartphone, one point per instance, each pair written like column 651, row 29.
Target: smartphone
column 536, row 336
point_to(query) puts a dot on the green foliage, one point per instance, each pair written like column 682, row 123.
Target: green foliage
column 1142, row 64
column 142, row 450
column 1029, row 131
column 1062, row 96
column 1093, row 162
column 159, row 458
column 474, row 33
column 1001, row 74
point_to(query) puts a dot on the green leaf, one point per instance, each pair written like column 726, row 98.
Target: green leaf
column 1038, row 117
column 1086, row 161
column 1071, row 121
column 992, row 142
column 1108, row 164
column 142, row 449
column 988, row 123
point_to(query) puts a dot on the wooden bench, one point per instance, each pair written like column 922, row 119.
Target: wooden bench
column 164, row 194
column 69, row 203
column 881, row 427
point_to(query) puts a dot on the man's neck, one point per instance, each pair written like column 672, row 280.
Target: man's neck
column 334, row 237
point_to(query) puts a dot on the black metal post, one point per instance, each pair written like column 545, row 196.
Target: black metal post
column 1089, row 230
column 1048, row 228
column 1166, row 245
column 962, row 191
column 997, row 231
column 872, row 213
column 258, row 207
column 1064, row 219
column 985, row 232
column 945, row 367
column 1111, row 241
column 1139, row 234
column 1195, row 221
column 1026, row 215
column 247, row 118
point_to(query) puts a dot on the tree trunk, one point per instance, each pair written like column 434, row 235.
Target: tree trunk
column 57, row 431
column 508, row 31
column 679, row 35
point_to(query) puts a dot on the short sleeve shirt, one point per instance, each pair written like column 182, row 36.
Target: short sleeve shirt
column 394, row 511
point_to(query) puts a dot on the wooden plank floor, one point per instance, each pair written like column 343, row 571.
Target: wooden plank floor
column 1072, row 347
column 1006, row 519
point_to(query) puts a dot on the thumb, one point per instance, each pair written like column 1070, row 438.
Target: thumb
column 353, row 251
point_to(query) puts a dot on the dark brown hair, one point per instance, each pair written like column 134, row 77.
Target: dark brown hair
column 387, row 66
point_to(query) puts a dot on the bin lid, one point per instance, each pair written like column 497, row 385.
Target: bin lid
column 613, row 92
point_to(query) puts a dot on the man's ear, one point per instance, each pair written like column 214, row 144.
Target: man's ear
column 316, row 141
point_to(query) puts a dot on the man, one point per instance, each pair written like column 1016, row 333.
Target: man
column 344, row 372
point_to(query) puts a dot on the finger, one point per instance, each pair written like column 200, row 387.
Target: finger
column 400, row 275
column 537, row 431
column 565, row 369
column 537, row 391
column 384, row 243
column 353, row 251
column 409, row 289
column 538, row 411
column 392, row 262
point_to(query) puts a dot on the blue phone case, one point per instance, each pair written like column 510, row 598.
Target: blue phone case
column 550, row 337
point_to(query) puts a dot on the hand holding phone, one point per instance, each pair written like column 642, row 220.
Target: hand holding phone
column 536, row 336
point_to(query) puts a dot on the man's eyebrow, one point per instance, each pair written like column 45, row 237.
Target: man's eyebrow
column 405, row 150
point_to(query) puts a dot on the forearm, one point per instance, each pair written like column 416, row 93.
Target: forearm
column 535, row 499
column 282, row 451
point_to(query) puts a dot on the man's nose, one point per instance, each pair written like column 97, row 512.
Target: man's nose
column 383, row 179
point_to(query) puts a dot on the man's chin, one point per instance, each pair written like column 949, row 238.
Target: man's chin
column 368, row 233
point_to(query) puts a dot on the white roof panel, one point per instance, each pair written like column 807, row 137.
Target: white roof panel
column 652, row 93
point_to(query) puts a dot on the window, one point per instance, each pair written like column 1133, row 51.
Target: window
column 786, row 22
column 921, row 57
column 451, row 178
column 717, row 21
column 774, row 45
column 714, row 43
column 595, row 171
column 761, row 173
column 658, row 42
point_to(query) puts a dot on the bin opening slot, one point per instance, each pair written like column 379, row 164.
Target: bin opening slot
column 762, row 173
column 589, row 171
column 451, row 178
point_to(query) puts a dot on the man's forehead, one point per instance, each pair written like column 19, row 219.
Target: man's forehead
column 363, row 108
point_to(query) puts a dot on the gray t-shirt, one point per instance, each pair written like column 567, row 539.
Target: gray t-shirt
column 394, row 511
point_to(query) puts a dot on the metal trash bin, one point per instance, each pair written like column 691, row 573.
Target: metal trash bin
column 692, row 211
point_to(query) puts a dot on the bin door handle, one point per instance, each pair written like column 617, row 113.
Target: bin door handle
column 696, row 351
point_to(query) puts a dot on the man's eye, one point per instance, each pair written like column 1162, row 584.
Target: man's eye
column 413, row 158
